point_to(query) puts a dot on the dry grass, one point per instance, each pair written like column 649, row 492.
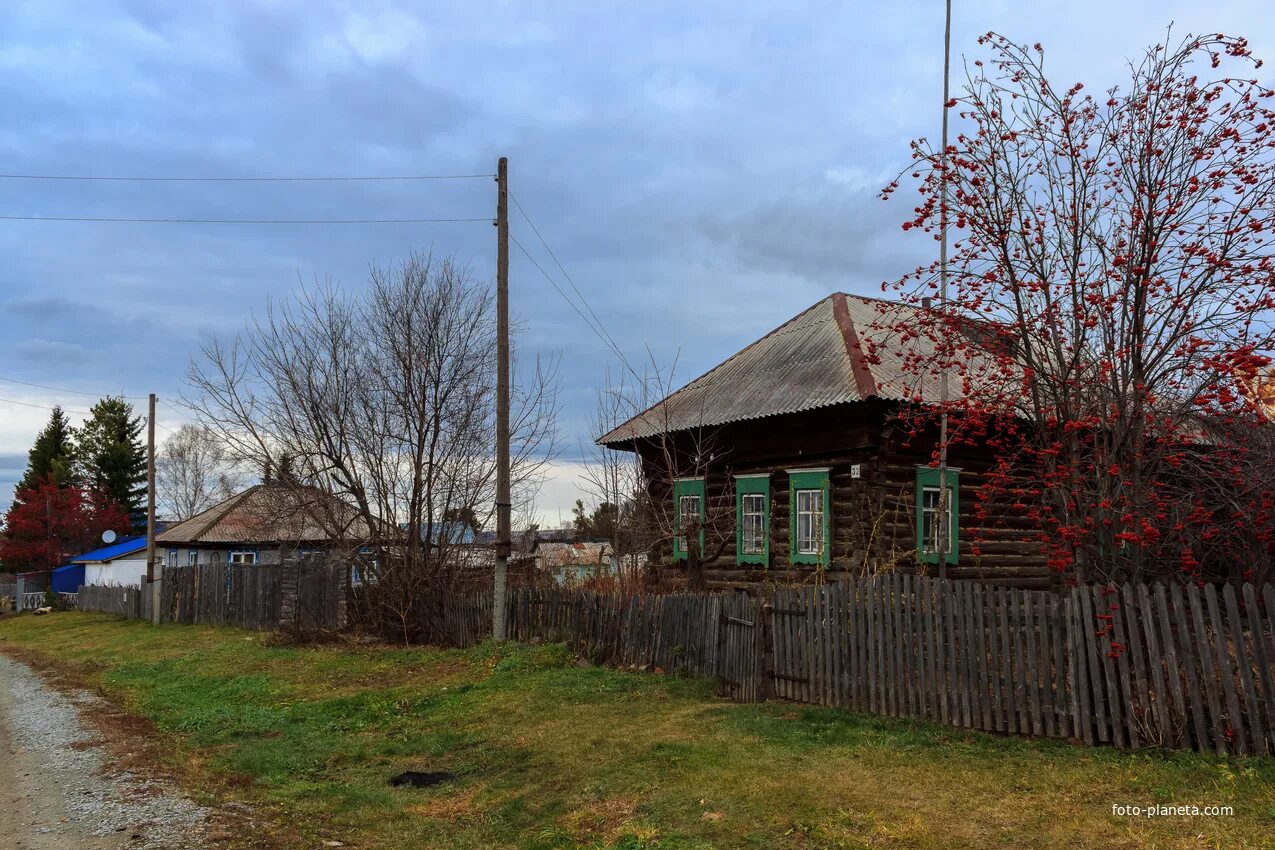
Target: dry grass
column 550, row 755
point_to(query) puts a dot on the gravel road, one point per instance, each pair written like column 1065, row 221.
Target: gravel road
column 58, row 788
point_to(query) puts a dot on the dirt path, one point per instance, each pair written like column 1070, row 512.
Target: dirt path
column 58, row 788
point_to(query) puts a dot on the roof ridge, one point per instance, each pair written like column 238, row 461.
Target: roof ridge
column 863, row 377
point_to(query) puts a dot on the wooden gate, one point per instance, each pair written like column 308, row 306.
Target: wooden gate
column 741, row 647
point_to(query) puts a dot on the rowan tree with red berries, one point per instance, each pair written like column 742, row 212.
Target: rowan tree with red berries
column 1110, row 302
column 49, row 523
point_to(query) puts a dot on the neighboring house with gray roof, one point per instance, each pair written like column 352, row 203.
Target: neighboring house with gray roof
column 260, row 525
column 790, row 458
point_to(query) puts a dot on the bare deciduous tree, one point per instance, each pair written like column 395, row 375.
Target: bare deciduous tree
column 193, row 472
column 642, row 481
column 385, row 399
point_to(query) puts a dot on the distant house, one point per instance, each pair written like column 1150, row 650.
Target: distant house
column 261, row 525
column 449, row 534
column 564, row 562
column 121, row 563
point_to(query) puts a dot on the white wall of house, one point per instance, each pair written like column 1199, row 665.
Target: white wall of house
column 184, row 556
column 121, row 571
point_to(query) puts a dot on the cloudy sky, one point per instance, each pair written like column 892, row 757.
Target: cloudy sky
column 703, row 170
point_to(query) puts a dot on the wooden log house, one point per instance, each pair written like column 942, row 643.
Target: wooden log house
column 793, row 457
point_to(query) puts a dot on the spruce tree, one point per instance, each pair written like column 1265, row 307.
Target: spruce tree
column 111, row 457
column 52, row 456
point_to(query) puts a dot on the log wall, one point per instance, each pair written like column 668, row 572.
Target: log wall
column 873, row 516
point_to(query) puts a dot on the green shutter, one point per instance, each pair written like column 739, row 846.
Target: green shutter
column 927, row 476
column 814, row 479
column 687, row 487
column 751, row 485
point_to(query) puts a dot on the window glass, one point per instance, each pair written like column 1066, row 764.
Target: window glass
column 810, row 522
column 933, row 525
column 688, row 511
column 753, row 538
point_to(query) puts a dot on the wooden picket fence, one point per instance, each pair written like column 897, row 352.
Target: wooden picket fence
column 1131, row 666
column 247, row 596
column 242, row 595
column 707, row 635
column 121, row 600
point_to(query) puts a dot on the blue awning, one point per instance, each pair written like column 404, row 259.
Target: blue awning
column 68, row 579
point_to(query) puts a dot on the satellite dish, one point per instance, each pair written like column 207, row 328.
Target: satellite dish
column 108, row 536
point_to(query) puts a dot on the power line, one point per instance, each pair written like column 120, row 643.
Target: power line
column 71, row 392
column 600, row 329
column 45, row 406
column 570, row 303
column 558, row 263
column 158, row 424
column 243, row 220
column 313, row 179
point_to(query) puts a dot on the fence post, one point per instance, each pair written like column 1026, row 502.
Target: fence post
column 764, row 652
column 154, row 590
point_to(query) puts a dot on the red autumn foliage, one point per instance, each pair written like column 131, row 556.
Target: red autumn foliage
column 1110, row 304
column 48, row 524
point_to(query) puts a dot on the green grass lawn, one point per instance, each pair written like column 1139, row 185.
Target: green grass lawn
column 552, row 755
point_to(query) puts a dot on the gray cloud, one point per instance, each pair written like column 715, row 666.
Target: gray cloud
column 703, row 170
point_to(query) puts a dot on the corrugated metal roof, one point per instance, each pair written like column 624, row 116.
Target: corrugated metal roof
column 801, row 365
column 814, row 360
column 127, row 546
column 266, row 513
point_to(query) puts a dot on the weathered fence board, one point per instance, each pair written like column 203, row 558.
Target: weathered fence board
column 247, row 596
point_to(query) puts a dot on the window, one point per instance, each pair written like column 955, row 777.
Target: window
column 752, row 520
column 809, row 522
column 811, row 516
column 243, row 557
column 932, row 523
column 753, row 508
column 688, row 510
column 192, row 557
column 172, row 557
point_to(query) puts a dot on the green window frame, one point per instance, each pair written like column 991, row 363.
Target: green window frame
column 810, row 516
column 747, row 490
column 927, row 496
column 686, row 489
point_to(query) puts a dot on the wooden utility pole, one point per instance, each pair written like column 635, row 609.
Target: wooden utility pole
column 945, row 520
column 151, row 587
column 503, row 507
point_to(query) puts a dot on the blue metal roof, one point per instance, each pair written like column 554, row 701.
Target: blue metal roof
column 117, row 549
